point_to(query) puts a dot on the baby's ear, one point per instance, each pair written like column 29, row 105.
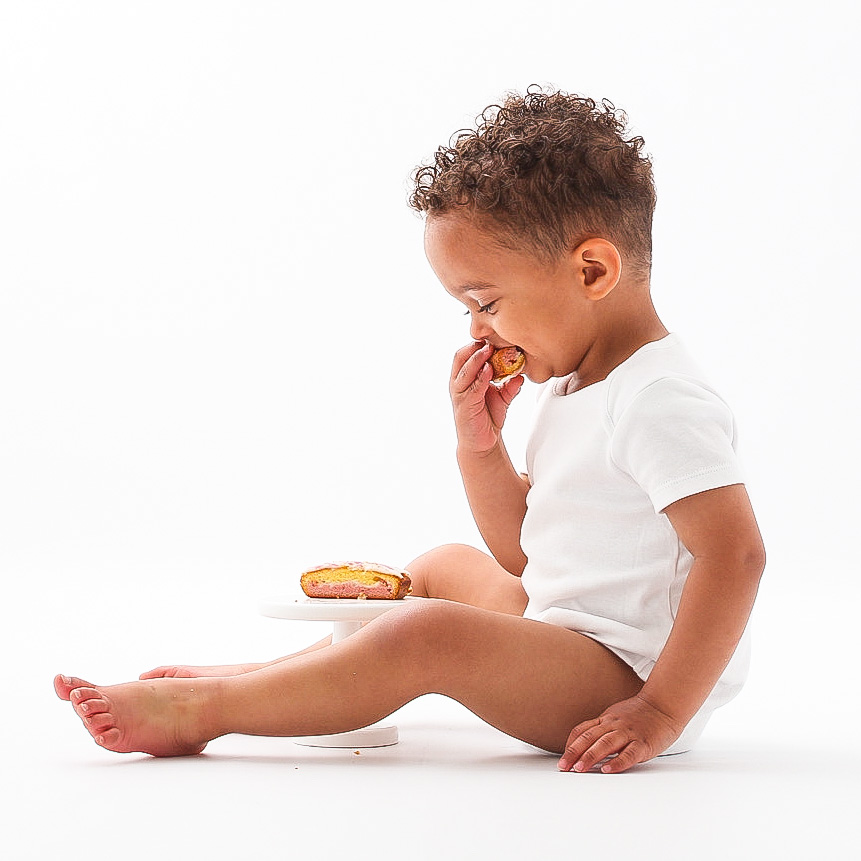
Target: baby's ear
column 599, row 265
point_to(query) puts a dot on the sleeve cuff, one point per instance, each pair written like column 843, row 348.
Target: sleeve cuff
column 706, row 479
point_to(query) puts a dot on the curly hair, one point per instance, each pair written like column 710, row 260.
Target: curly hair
column 545, row 171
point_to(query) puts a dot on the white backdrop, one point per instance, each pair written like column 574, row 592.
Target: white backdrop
column 224, row 357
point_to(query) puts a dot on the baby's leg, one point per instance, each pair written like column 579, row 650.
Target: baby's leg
column 531, row 680
column 458, row 572
column 185, row 671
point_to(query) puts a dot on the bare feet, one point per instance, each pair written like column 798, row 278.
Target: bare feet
column 165, row 717
column 187, row 672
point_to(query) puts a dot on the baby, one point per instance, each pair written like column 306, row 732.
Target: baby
column 606, row 624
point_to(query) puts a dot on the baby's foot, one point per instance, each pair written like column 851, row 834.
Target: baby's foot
column 161, row 718
column 182, row 671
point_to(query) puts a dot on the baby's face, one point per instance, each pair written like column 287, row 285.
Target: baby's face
column 512, row 298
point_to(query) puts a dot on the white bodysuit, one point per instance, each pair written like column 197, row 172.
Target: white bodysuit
column 603, row 462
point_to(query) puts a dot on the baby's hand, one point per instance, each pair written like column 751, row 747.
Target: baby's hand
column 479, row 407
column 630, row 732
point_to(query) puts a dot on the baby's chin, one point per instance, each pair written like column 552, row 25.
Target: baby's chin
column 537, row 374
column 543, row 375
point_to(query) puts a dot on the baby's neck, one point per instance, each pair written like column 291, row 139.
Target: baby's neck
column 620, row 339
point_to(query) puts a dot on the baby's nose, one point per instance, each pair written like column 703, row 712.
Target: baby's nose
column 478, row 328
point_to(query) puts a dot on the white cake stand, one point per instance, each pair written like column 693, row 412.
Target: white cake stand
column 347, row 616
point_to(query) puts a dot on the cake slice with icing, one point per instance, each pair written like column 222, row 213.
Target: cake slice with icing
column 355, row 580
column 506, row 362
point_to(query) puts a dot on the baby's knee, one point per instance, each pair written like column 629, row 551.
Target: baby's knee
column 424, row 627
column 426, row 569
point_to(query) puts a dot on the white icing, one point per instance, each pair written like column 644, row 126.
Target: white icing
column 369, row 567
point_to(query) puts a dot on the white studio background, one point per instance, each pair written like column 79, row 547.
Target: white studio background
column 224, row 357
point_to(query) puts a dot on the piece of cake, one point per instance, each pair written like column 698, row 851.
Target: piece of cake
column 355, row 580
column 507, row 363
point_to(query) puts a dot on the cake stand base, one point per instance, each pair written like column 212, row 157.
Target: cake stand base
column 369, row 736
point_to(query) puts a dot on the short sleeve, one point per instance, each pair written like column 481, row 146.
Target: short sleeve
column 676, row 438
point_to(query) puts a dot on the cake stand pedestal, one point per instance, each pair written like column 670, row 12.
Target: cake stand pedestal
column 346, row 616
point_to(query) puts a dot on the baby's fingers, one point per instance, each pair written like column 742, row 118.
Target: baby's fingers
column 462, row 356
column 579, row 740
column 468, row 366
column 511, row 389
column 607, row 745
column 632, row 754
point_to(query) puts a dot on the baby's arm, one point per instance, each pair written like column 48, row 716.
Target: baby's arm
column 720, row 530
column 496, row 492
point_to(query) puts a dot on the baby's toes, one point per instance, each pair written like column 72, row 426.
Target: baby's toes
column 64, row 685
column 99, row 723
column 93, row 706
column 109, row 738
column 81, row 699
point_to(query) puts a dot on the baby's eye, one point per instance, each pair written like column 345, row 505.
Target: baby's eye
column 483, row 309
column 489, row 308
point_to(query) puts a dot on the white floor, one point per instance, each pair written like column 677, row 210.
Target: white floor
column 450, row 787
column 775, row 776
